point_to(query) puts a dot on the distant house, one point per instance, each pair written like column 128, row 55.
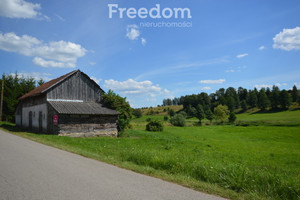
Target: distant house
column 69, row 105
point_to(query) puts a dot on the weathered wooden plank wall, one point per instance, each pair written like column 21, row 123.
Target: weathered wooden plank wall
column 75, row 87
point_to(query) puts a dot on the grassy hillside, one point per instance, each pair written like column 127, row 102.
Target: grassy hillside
column 257, row 160
column 277, row 118
column 163, row 110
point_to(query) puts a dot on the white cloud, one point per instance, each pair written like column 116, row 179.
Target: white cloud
column 281, row 84
column 12, row 43
column 219, row 81
column 288, row 39
column 206, row 88
column 97, row 80
column 242, row 55
column 263, row 86
column 49, row 63
column 165, row 91
column 19, row 9
column 60, row 17
column 58, row 53
column 261, row 48
column 144, row 41
column 230, row 70
column 61, row 50
column 132, row 32
column 139, row 93
column 152, row 99
column 36, row 75
column 133, row 87
column 242, row 67
column 92, row 63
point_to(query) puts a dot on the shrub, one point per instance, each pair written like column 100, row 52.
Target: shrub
column 115, row 101
column 178, row 120
column 154, row 125
column 151, row 112
column 148, row 119
column 183, row 114
column 166, row 118
column 171, row 113
column 232, row 117
column 137, row 113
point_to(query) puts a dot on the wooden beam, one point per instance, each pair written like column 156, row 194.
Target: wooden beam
column 1, row 104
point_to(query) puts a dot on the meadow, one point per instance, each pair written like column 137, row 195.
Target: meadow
column 248, row 160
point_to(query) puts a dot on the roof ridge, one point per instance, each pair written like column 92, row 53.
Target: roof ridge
column 46, row 86
column 63, row 77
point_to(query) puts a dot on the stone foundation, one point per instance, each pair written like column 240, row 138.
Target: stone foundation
column 95, row 133
column 88, row 130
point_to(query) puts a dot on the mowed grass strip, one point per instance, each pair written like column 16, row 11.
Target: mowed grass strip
column 253, row 162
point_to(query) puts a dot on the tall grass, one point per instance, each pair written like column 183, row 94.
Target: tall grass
column 255, row 162
column 226, row 168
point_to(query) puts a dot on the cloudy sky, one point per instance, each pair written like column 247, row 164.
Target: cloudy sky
column 151, row 50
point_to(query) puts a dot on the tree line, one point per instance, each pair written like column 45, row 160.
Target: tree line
column 242, row 99
column 15, row 86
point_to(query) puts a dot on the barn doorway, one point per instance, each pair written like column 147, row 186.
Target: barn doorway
column 30, row 120
column 40, row 121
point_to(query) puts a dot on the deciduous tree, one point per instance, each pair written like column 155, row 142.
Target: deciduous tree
column 114, row 101
column 221, row 113
column 200, row 113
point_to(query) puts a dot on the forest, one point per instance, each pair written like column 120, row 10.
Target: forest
column 241, row 99
column 15, row 86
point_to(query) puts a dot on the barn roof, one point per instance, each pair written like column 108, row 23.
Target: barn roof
column 46, row 86
column 85, row 108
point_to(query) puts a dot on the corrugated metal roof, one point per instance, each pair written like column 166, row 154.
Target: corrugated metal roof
column 84, row 108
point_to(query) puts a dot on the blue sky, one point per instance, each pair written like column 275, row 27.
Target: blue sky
column 228, row 43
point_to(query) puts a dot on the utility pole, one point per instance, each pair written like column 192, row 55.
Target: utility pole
column 1, row 106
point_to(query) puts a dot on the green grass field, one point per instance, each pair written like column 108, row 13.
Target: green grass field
column 238, row 162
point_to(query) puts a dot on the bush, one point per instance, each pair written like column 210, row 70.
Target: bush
column 137, row 113
column 183, row 114
column 154, row 125
column 171, row 113
column 115, row 101
column 148, row 119
column 166, row 118
column 232, row 117
column 151, row 112
column 178, row 120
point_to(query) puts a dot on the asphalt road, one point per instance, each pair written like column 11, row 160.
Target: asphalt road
column 29, row 170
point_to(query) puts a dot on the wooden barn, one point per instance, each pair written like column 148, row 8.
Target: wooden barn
column 69, row 105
